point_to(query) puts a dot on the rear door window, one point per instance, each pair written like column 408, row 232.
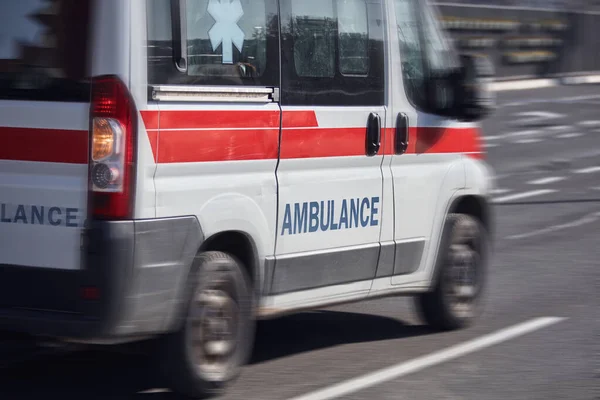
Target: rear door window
column 229, row 42
column 44, row 50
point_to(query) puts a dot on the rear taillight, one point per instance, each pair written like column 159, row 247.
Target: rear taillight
column 113, row 149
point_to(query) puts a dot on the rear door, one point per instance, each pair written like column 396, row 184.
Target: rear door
column 44, row 114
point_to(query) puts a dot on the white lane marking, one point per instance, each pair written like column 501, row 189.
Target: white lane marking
column 527, row 141
column 155, row 391
column 578, row 80
column 559, row 128
column 490, row 138
column 587, row 170
column 540, row 114
column 500, row 191
column 592, row 124
column 569, row 135
column 522, row 85
column 439, row 357
column 545, row 181
column 524, row 133
column 573, row 99
column 524, row 195
column 588, row 219
column 490, row 145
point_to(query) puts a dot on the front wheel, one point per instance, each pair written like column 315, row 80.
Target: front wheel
column 217, row 333
column 456, row 297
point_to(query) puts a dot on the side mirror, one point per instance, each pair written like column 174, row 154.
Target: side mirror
column 474, row 98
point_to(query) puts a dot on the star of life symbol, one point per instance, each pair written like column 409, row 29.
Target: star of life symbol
column 226, row 30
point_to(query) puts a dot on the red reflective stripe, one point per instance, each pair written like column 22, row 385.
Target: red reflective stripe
column 299, row 119
column 153, row 138
column 441, row 140
column 150, row 119
column 323, row 142
column 428, row 140
column 201, row 136
column 218, row 145
column 389, row 141
column 218, row 119
column 44, row 145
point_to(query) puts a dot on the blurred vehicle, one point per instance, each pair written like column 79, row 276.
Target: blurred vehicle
column 180, row 169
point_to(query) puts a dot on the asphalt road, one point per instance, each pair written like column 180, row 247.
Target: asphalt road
column 545, row 147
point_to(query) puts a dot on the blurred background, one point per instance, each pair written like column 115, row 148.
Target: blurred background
column 527, row 38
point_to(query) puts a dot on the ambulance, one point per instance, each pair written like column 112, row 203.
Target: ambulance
column 178, row 170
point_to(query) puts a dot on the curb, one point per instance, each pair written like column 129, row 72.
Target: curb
column 526, row 84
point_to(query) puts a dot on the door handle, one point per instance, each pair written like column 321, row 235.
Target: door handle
column 402, row 135
column 373, row 134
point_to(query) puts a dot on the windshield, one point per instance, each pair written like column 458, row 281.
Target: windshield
column 43, row 50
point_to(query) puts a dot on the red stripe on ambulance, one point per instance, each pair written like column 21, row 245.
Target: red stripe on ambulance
column 44, row 145
column 217, row 145
column 210, row 136
column 323, row 142
column 218, row 119
column 443, row 140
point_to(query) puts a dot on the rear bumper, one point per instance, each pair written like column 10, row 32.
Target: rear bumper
column 134, row 271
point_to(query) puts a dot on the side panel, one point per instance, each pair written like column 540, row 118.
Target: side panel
column 218, row 163
column 330, row 199
column 213, row 147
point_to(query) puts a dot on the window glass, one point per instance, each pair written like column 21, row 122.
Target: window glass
column 44, row 50
column 332, row 52
column 233, row 42
column 313, row 28
column 440, row 55
column 413, row 67
column 425, row 51
column 353, row 34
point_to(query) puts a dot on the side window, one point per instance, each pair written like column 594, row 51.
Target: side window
column 424, row 49
column 332, row 52
column 440, row 53
column 228, row 42
column 413, row 65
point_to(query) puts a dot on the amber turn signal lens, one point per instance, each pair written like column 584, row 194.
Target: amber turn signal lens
column 103, row 139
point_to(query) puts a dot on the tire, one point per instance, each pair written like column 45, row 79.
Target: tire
column 217, row 331
column 456, row 298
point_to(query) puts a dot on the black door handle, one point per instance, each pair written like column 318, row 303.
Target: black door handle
column 402, row 135
column 373, row 134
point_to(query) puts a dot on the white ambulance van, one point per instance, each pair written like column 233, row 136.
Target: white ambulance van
column 180, row 169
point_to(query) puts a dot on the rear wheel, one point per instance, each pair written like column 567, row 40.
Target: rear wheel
column 216, row 337
column 456, row 297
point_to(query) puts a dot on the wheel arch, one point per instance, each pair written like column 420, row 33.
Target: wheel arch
column 242, row 247
column 476, row 206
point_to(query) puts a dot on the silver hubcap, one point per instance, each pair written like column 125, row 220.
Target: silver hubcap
column 462, row 272
column 214, row 327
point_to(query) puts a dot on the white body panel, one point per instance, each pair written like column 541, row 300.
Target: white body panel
column 225, row 196
column 43, row 204
column 145, row 194
column 330, row 178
